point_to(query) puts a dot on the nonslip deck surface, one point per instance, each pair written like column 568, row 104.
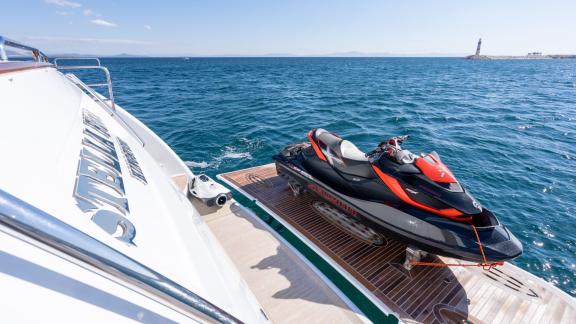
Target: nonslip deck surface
column 286, row 287
column 506, row 294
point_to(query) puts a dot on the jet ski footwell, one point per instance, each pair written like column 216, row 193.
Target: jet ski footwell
column 506, row 294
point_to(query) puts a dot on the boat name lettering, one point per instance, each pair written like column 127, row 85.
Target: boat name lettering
column 133, row 165
column 99, row 187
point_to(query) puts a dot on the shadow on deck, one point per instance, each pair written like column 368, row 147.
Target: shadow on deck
column 287, row 288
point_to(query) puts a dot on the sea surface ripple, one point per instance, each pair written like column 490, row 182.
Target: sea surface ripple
column 505, row 128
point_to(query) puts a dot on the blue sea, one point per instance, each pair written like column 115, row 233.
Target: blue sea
column 507, row 129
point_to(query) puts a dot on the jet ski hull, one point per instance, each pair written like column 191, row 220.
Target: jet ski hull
column 426, row 231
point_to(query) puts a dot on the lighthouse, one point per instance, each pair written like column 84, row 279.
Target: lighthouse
column 478, row 47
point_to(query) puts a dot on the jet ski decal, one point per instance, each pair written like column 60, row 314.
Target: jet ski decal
column 396, row 188
column 333, row 200
column 434, row 169
column 316, row 147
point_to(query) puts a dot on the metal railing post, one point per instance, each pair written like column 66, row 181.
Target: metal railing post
column 98, row 66
column 3, row 55
column 110, row 92
column 37, row 55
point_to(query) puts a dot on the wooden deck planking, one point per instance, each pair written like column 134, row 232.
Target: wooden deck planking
column 424, row 294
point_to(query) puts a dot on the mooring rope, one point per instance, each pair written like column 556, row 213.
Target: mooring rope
column 484, row 264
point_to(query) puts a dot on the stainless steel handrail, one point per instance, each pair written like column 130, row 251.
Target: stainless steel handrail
column 101, row 101
column 91, row 92
column 108, row 83
column 37, row 55
column 59, row 59
column 18, row 218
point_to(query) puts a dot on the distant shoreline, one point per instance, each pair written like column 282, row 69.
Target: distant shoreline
column 521, row 57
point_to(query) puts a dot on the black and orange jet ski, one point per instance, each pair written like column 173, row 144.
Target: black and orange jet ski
column 414, row 199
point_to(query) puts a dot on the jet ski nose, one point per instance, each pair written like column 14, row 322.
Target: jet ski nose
column 505, row 249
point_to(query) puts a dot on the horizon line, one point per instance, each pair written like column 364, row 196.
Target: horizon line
column 342, row 55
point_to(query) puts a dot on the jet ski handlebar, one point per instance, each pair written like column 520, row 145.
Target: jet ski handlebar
column 393, row 141
column 374, row 152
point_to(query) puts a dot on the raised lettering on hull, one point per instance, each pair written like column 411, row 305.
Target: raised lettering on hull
column 99, row 187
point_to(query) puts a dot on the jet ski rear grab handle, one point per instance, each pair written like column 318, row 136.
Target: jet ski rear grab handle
column 484, row 264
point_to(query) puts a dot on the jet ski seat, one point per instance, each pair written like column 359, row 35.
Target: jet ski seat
column 341, row 147
column 344, row 155
column 350, row 151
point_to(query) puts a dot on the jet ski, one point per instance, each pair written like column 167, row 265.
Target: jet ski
column 413, row 199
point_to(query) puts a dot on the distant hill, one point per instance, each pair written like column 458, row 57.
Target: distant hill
column 92, row 55
column 127, row 55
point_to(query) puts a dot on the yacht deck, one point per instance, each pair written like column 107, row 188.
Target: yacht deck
column 424, row 294
column 286, row 286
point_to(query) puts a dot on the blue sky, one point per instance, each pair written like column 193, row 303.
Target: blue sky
column 301, row 27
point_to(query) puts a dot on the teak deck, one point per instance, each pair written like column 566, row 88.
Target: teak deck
column 425, row 294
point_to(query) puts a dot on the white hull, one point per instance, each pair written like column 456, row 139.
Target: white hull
column 43, row 136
